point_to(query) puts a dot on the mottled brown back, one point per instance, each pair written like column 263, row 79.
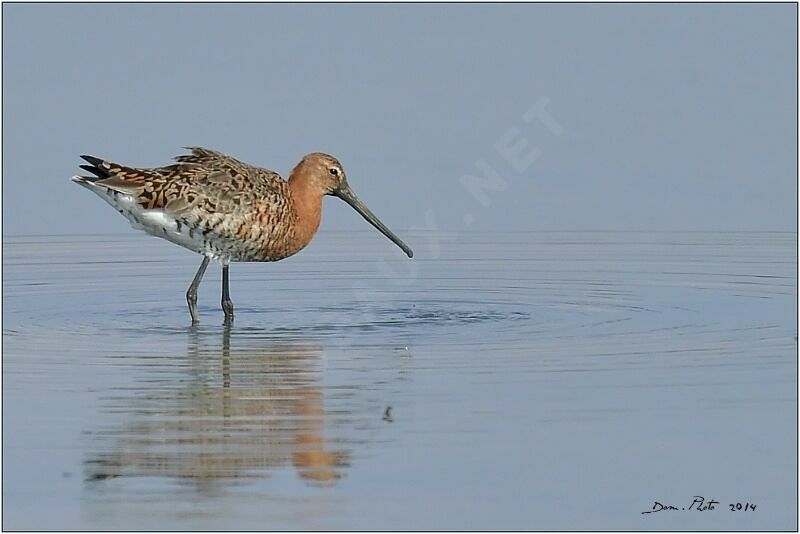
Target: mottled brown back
column 240, row 210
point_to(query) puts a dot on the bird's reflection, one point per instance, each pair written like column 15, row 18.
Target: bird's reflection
column 233, row 414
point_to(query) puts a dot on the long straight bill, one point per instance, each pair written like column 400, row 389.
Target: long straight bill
column 345, row 193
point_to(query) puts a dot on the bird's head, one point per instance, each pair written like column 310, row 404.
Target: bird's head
column 325, row 173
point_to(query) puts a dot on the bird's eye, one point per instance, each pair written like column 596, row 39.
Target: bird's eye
column 334, row 171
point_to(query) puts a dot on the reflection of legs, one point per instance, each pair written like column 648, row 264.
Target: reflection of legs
column 191, row 293
column 226, row 364
column 227, row 304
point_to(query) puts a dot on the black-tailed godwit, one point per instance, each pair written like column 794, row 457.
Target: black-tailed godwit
column 224, row 209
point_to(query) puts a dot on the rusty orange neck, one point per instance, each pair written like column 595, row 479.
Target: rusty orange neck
column 307, row 201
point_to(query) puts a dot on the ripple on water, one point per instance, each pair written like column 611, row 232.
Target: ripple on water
column 583, row 293
column 500, row 346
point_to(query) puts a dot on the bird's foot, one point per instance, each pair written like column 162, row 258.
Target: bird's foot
column 227, row 307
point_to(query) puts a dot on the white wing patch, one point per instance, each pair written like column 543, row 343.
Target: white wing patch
column 159, row 221
column 156, row 222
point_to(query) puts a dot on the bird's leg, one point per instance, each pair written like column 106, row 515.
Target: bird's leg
column 191, row 293
column 227, row 304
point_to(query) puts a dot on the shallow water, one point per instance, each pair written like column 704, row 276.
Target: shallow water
column 495, row 381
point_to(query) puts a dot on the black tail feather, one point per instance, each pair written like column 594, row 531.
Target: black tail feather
column 100, row 173
column 93, row 160
column 95, row 168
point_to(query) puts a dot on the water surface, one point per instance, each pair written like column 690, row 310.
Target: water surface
column 495, row 381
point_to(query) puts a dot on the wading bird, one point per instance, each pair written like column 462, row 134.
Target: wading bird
column 224, row 209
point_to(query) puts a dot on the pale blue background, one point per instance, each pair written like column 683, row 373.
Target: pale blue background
column 675, row 117
column 538, row 380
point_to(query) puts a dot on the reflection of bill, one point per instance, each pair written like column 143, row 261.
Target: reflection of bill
column 227, row 416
